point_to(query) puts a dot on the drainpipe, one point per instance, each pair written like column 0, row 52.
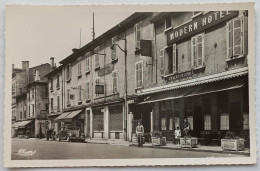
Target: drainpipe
column 125, row 131
column 155, row 54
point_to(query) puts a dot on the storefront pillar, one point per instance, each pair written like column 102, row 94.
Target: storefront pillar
column 130, row 125
column 214, row 112
column 151, row 115
column 156, row 116
column 106, row 122
column 86, row 123
column 181, row 111
column 91, row 123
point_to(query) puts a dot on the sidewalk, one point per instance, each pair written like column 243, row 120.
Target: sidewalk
column 170, row 146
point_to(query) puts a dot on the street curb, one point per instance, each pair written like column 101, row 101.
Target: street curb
column 200, row 150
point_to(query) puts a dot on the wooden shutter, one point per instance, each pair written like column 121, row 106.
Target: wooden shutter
column 87, row 91
column 116, row 118
column 137, row 35
column 237, row 36
column 229, row 31
column 96, row 60
column 174, row 58
column 193, row 52
column 87, row 63
column 79, row 91
column 162, row 61
column 114, row 79
column 200, row 49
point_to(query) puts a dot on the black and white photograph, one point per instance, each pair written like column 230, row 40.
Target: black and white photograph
column 143, row 83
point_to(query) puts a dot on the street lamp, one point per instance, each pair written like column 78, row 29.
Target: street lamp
column 125, row 97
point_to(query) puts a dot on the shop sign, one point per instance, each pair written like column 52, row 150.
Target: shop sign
column 179, row 75
column 199, row 24
column 106, row 70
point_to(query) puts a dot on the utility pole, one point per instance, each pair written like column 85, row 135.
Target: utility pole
column 93, row 29
column 80, row 38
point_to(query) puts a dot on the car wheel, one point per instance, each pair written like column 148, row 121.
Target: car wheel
column 68, row 139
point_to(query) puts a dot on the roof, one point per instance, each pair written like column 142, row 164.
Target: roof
column 54, row 71
column 134, row 18
column 196, row 81
column 36, row 82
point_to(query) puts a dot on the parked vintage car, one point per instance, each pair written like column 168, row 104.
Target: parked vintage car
column 71, row 133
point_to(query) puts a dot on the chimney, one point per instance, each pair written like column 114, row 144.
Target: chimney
column 74, row 50
column 52, row 63
column 37, row 75
column 25, row 66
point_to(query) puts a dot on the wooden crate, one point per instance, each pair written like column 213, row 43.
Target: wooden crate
column 232, row 144
column 189, row 142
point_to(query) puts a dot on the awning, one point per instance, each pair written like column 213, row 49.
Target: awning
column 197, row 90
column 24, row 123
column 68, row 116
column 62, row 116
column 16, row 124
column 168, row 95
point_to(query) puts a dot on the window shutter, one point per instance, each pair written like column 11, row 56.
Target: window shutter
column 138, row 35
column 87, row 91
column 193, row 52
column 114, row 74
column 96, row 60
column 79, row 91
column 162, row 61
column 69, row 71
column 200, row 49
column 230, row 39
column 237, row 36
column 174, row 60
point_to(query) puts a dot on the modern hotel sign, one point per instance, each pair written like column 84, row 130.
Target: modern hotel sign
column 199, row 24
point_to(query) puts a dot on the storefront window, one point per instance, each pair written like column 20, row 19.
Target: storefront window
column 245, row 121
column 177, row 122
column 190, row 120
column 171, row 123
column 224, row 122
column 163, row 123
column 207, row 122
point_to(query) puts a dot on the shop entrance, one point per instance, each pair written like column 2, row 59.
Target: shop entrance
column 235, row 117
column 197, row 121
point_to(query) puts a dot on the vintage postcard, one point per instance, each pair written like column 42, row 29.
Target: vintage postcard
column 130, row 85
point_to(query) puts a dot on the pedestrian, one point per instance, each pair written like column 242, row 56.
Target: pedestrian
column 140, row 133
column 186, row 128
column 177, row 135
column 47, row 134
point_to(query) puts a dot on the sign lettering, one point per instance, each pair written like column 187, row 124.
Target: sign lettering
column 198, row 24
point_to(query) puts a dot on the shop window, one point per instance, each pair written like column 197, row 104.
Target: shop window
column 245, row 121
column 115, row 82
column 79, row 93
column 177, row 122
column 68, row 72
column 168, row 22
column 190, row 120
column 87, row 91
column 139, row 74
column 162, row 51
column 235, row 38
column 171, row 123
column 79, row 66
column 58, row 103
column 96, row 61
column 163, row 123
column 58, row 82
column 137, row 35
column 224, row 122
column 87, row 62
column 197, row 51
column 207, row 122
column 51, row 104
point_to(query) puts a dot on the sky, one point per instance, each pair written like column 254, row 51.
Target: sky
column 36, row 33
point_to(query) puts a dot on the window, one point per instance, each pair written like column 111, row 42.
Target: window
column 46, row 106
column 13, row 88
column 68, row 72
column 21, row 90
column 168, row 22
column 51, row 82
column 87, row 91
column 245, row 121
column 51, row 104
column 87, row 63
column 79, row 91
column 177, row 122
column 163, row 123
column 46, row 91
column 207, row 122
column 197, row 50
column 21, row 115
column 235, row 37
column 190, row 120
column 33, row 93
column 79, row 66
column 33, row 110
column 115, row 82
column 224, row 122
column 139, row 74
column 162, row 61
column 58, row 103
column 24, row 114
column 68, row 96
column 96, row 61
column 58, row 82
column 171, row 123
column 137, row 35
column 113, row 51
column 29, row 111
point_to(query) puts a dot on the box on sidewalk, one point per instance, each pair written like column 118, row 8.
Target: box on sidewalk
column 189, row 142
